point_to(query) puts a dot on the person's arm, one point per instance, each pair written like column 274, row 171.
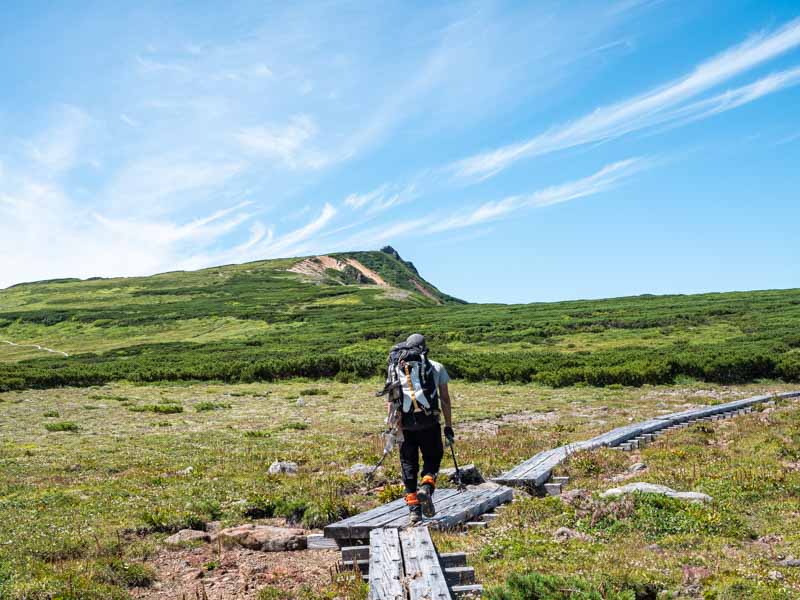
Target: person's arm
column 447, row 408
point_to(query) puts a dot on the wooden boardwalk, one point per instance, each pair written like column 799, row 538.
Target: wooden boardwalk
column 404, row 565
column 536, row 471
column 453, row 508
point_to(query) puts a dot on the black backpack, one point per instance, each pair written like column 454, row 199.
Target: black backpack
column 411, row 385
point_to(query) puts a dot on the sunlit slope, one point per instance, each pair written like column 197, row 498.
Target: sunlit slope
column 335, row 315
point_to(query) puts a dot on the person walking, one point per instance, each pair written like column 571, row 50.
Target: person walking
column 418, row 398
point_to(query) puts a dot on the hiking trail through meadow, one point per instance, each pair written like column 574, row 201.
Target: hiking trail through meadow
column 37, row 346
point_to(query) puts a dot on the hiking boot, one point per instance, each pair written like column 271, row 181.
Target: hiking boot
column 425, row 496
column 414, row 509
column 414, row 514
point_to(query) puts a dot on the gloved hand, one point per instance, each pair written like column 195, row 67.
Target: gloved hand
column 449, row 436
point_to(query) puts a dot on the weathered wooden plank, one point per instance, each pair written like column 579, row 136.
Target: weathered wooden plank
column 425, row 578
column 488, row 499
column 455, row 504
column 355, row 553
column 317, row 541
column 358, row 526
column 453, row 559
column 386, row 569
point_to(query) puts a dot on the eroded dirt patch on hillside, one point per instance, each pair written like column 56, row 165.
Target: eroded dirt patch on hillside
column 220, row 573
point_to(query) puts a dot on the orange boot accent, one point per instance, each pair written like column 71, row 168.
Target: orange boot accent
column 430, row 480
column 411, row 499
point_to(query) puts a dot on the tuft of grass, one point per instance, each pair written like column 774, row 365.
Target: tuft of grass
column 258, row 433
column 313, row 392
column 295, row 426
column 536, row 586
column 123, row 573
column 164, row 409
column 51, row 414
column 206, row 406
column 62, row 426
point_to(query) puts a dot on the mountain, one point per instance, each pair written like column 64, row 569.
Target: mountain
column 335, row 315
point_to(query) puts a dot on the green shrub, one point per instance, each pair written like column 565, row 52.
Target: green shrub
column 51, row 414
column 62, row 426
column 313, row 392
column 124, row 573
column 164, row 409
column 206, row 406
column 535, row 586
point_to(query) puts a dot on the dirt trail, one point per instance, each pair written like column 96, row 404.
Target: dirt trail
column 37, row 346
column 315, row 267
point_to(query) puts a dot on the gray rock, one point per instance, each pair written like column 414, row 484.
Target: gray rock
column 283, row 468
column 301, row 402
column 565, row 534
column 185, row 536
column 652, row 488
column 572, row 496
column 470, row 475
column 264, row 537
column 360, row 469
column 636, row 467
column 790, row 562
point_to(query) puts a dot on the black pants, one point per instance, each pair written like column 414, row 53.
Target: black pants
column 429, row 442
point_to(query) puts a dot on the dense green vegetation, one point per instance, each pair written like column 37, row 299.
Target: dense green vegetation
column 258, row 322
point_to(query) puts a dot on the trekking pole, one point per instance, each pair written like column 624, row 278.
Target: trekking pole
column 461, row 486
column 390, row 439
column 377, row 466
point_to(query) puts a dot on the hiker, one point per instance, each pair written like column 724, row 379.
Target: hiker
column 418, row 395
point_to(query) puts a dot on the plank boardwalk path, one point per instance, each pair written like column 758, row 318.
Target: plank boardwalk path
column 402, row 562
column 453, row 508
column 536, row 471
column 404, row 565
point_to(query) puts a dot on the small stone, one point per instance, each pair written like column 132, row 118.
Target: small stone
column 636, row 467
column 565, row 534
column 470, row 475
column 301, row 402
column 694, row 575
column 776, row 576
column 185, row 536
column 572, row 496
column 283, row 468
column 187, row 471
column 213, row 527
column 360, row 469
column 193, row 574
column 264, row 537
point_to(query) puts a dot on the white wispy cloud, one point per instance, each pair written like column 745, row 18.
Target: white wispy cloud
column 639, row 112
column 288, row 144
column 290, row 243
column 382, row 198
column 436, row 222
column 601, row 181
column 56, row 149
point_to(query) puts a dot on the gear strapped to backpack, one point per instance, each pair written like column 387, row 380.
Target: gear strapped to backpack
column 411, row 385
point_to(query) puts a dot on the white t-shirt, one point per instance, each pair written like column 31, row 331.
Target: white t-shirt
column 439, row 373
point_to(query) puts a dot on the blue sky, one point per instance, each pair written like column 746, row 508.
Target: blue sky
column 515, row 152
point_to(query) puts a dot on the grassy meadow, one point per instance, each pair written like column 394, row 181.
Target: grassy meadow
column 93, row 479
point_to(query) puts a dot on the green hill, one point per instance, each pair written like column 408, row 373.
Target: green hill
column 336, row 315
